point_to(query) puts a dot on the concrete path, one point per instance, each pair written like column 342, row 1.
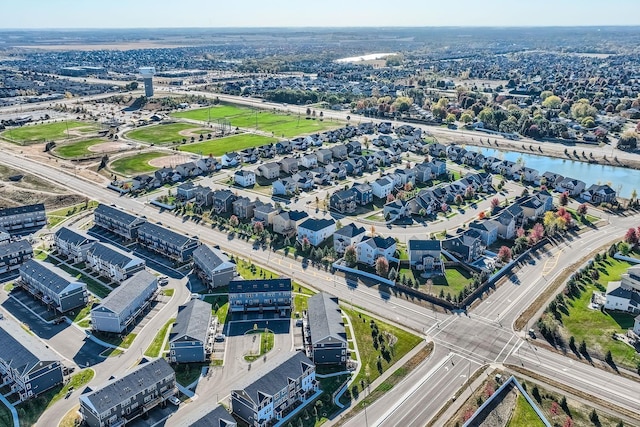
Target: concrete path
column 14, row 413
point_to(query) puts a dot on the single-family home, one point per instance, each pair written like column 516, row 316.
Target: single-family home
column 466, row 247
column 363, row 193
column 551, row 179
column 309, row 161
column 382, row 187
column 324, row 155
column 284, row 186
column 574, row 187
column 396, row 209
column 426, row 255
column 230, row 160
column 343, row 201
column 222, row 201
column 316, row 230
column 368, row 250
column 624, row 295
column 289, row 165
column 269, row 170
column 286, row 222
column 347, row 236
column 244, row 178
column 265, row 213
column 339, row 152
column 243, row 207
column 488, row 230
column 597, row 194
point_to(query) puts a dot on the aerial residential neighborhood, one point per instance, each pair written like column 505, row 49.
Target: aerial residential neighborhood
column 279, row 215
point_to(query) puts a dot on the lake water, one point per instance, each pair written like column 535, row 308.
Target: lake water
column 623, row 180
column 368, row 57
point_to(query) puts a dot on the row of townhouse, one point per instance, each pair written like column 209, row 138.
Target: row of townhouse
column 170, row 175
column 105, row 259
column 325, row 338
column 53, row 286
column 191, row 338
column 13, row 254
column 213, row 267
column 153, row 237
column 262, row 295
column 22, row 218
column 122, row 400
column 595, row 194
column 118, row 310
column 27, row 366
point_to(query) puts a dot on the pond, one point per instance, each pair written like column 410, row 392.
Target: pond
column 623, row 180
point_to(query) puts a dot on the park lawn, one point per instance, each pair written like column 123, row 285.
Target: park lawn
column 371, row 358
column 217, row 147
column 187, row 373
column 93, row 286
column 76, row 149
column 318, row 412
column 279, row 123
column 524, row 415
column 31, row 410
column 156, row 345
column 116, row 340
column 136, row 164
column 581, row 322
column 82, row 313
column 47, row 131
column 162, row 134
column 222, row 301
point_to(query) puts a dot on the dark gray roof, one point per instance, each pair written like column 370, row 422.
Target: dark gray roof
column 121, row 389
column 297, row 215
column 217, row 417
column 20, row 350
column 212, row 257
column 315, row 224
column 15, row 247
column 325, row 318
column 192, row 322
column 260, row 285
column 50, row 276
column 272, row 382
column 121, row 297
column 74, row 237
column 381, row 242
column 166, row 235
column 425, row 245
column 38, row 207
column 350, row 230
column 114, row 256
column 117, row 214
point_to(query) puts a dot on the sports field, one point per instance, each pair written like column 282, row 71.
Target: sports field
column 49, row 131
column 136, row 164
column 162, row 134
column 218, row 147
column 77, row 149
column 281, row 124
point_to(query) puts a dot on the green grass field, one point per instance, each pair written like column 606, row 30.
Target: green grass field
column 279, row 123
column 162, row 134
column 524, row 415
column 582, row 322
column 454, row 281
column 156, row 345
column 218, row 147
column 372, row 360
column 77, row 149
column 48, row 131
column 136, row 164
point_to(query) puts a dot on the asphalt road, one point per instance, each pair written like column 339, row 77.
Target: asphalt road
column 483, row 336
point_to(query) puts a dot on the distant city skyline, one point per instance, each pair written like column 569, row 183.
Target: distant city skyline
column 88, row 14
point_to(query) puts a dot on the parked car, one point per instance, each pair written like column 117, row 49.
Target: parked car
column 219, row 337
column 174, row 400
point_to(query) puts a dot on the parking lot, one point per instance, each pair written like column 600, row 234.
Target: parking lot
column 34, row 305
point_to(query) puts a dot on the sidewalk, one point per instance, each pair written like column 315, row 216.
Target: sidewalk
column 14, row 413
column 382, row 378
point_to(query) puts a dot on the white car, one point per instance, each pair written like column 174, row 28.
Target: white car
column 174, row 400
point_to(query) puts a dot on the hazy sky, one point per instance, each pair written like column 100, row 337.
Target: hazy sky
column 314, row 13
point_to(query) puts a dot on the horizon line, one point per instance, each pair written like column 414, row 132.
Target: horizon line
column 321, row 27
